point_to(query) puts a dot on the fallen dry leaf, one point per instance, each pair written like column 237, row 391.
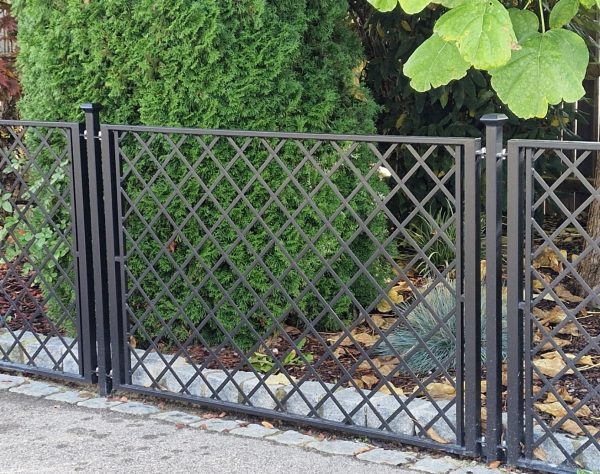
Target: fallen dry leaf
column 549, row 259
column 553, row 316
column 540, row 454
column 438, row 391
column 266, row 424
column 436, row 437
column 557, row 410
column 495, row 464
column 551, row 367
column 369, row 380
column 572, row 427
column 279, row 379
column 390, row 388
column 566, row 295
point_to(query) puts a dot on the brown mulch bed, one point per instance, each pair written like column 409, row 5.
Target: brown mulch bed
column 20, row 307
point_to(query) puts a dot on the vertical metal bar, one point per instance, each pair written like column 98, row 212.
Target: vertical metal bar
column 459, row 158
column 493, row 281
column 527, row 332
column 86, row 329
column 514, row 311
column 111, row 178
column 96, row 194
column 472, row 299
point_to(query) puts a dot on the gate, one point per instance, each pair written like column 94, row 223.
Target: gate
column 300, row 224
column 46, row 306
column 329, row 280
column 553, row 341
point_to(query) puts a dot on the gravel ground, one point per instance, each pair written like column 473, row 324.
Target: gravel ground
column 42, row 436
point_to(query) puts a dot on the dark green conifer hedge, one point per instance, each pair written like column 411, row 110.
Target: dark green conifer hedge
column 231, row 64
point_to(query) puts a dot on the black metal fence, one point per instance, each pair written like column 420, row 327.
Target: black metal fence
column 332, row 280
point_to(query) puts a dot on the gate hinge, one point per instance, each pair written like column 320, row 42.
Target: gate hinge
column 480, row 152
column 99, row 136
column 502, row 155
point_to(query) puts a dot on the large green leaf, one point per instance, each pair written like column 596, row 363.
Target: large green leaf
column 524, row 22
column 435, row 63
column 413, row 6
column 482, row 31
column 563, row 12
column 548, row 68
column 384, row 5
column 590, row 3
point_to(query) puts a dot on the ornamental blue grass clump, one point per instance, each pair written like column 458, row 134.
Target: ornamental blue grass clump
column 422, row 320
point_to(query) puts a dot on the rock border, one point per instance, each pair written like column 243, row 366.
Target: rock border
column 168, row 373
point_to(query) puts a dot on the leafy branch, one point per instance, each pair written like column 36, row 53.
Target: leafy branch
column 531, row 66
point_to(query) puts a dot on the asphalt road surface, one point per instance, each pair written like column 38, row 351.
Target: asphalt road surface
column 41, row 436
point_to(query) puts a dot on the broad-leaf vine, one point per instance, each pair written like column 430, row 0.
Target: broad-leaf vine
column 534, row 59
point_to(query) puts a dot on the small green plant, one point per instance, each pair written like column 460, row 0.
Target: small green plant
column 264, row 363
column 441, row 252
column 422, row 323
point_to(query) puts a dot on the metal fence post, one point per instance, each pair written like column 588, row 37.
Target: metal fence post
column 98, row 243
column 493, row 281
column 514, row 312
column 472, row 299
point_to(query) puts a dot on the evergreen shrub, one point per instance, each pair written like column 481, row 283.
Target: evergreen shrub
column 229, row 64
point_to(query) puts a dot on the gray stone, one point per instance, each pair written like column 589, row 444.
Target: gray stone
column 178, row 417
column 476, row 470
column 434, row 465
column 35, row 389
column 386, row 456
column 182, row 378
column 292, row 438
column 148, row 371
column 71, row 397
column 13, row 345
column 47, row 355
column 348, row 448
column 10, row 381
column 254, row 431
column 313, row 392
column 70, row 364
column 590, row 457
column 135, row 408
column 424, row 412
column 550, row 448
column 230, row 389
column 217, row 424
column 385, row 406
column 263, row 397
column 99, row 403
column 348, row 399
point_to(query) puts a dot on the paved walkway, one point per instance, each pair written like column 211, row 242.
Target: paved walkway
column 48, row 428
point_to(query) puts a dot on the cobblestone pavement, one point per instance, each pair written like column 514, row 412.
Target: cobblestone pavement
column 49, row 427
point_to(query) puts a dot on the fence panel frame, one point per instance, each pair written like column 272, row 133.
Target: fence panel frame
column 80, row 252
column 467, row 180
column 520, row 429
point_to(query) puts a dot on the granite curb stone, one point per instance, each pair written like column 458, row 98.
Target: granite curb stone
column 217, row 424
column 386, row 456
column 254, row 431
column 10, row 381
column 178, row 417
column 135, row 408
column 35, row 389
column 341, row 447
column 71, row 397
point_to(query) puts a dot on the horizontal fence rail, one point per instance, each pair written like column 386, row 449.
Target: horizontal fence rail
column 43, row 306
column 265, row 272
column 553, row 307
